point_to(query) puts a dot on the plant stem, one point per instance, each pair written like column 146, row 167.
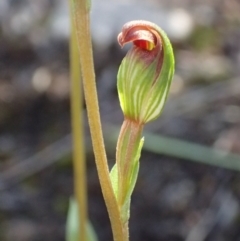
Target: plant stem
column 79, row 162
column 81, row 16
column 127, row 147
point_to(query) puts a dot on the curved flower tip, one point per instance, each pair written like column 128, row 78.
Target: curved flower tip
column 142, row 38
column 146, row 72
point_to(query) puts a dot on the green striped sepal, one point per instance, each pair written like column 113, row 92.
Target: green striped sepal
column 146, row 72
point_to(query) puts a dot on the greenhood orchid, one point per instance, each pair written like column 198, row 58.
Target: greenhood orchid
column 146, row 72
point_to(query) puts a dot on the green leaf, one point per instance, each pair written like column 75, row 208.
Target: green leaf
column 114, row 179
column 72, row 232
column 135, row 169
column 125, row 212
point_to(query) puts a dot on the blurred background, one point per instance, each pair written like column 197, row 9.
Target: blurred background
column 175, row 199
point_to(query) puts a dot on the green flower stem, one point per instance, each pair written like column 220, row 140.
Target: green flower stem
column 79, row 162
column 81, row 16
column 127, row 160
column 127, row 149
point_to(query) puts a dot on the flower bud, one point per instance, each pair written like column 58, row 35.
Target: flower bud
column 146, row 72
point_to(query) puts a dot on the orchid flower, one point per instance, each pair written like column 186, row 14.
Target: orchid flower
column 146, row 72
column 144, row 79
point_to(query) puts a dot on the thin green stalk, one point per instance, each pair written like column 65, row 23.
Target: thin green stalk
column 127, row 151
column 79, row 162
column 81, row 16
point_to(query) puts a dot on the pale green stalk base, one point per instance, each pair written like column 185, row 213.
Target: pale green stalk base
column 79, row 163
